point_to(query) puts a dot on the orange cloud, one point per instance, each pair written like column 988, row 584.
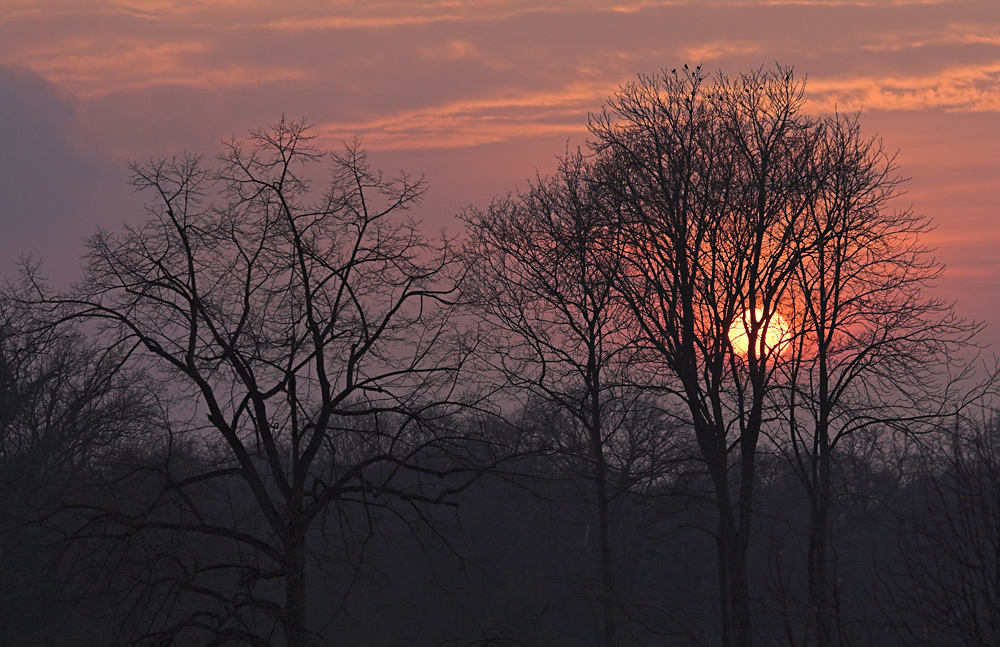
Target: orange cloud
column 719, row 49
column 955, row 34
column 842, row 3
column 401, row 14
column 92, row 69
column 152, row 9
column 972, row 88
column 452, row 50
column 478, row 121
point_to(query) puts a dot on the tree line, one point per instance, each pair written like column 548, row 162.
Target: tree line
column 691, row 389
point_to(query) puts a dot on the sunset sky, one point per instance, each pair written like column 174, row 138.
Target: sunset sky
column 476, row 95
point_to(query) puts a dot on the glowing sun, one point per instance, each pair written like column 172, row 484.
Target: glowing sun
column 776, row 339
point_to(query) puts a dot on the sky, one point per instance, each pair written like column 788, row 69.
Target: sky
column 478, row 96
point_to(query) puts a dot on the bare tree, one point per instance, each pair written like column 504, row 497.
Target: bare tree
column 711, row 185
column 871, row 352
column 67, row 409
column 944, row 589
column 310, row 334
column 541, row 275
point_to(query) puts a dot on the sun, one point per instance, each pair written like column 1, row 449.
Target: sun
column 776, row 339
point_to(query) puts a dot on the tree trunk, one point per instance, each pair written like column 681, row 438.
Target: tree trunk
column 294, row 621
column 713, row 448
column 723, row 543
column 605, row 538
column 601, row 478
column 742, row 623
column 819, row 602
column 741, row 539
column 734, row 589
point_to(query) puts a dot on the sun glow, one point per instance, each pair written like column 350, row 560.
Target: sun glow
column 777, row 337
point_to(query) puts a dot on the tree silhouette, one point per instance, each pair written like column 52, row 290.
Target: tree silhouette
column 944, row 586
column 312, row 333
column 68, row 410
column 541, row 278
column 711, row 186
column 872, row 352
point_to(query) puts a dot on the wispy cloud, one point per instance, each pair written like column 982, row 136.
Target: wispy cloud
column 953, row 34
column 968, row 88
column 842, row 3
column 90, row 70
column 149, row 9
column 388, row 15
column 478, row 121
column 719, row 49
column 452, row 50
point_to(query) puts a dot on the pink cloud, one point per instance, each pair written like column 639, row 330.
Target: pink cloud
column 968, row 88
